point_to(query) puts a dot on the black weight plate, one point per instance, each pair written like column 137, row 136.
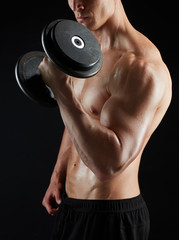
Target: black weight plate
column 29, row 79
column 85, row 54
column 82, row 58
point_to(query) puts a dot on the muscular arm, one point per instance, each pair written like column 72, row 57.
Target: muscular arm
column 111, row 143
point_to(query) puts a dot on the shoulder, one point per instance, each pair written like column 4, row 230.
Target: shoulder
column 142, row 77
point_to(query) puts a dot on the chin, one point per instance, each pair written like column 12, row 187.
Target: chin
column 88, row 23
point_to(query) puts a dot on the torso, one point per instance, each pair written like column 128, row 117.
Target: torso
column 81, row 183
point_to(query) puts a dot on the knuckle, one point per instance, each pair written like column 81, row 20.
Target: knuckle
column 43, row 203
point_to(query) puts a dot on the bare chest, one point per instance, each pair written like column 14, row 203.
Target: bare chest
column 93, row 92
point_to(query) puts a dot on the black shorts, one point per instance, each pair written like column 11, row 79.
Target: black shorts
column 126, row 219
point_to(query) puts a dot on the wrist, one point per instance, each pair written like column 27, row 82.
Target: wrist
column 58, row 177
column 63, row 91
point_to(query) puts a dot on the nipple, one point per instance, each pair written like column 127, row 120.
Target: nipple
column 93, row 110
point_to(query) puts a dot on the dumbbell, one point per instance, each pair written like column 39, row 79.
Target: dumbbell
column 71, row 47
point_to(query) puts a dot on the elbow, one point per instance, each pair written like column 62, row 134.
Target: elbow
column 113, row 161
column 109, row 163
column 105, row 176
column 102, row 177
column 119, row 157
column 114, row 167
column 110, row 172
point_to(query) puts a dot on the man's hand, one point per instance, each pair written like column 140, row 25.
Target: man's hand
column 59, row 82
column 52, row 198
column 50, row 73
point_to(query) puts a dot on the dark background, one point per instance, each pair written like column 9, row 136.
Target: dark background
column 31, row 134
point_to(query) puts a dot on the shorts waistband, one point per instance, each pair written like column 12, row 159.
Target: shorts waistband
column 105, row 205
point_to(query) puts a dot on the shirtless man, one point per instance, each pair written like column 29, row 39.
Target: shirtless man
column 108, row 120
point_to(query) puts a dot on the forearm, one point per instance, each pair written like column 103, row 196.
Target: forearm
column 59, row 172
column 97, row 146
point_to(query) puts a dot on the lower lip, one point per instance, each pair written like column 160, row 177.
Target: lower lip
column 82, row 19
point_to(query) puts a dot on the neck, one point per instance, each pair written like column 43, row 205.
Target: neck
column 113, row 33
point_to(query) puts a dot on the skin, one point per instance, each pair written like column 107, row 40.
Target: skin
column 110, row 117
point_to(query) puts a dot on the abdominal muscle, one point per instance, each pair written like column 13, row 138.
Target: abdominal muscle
column 81, row 183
